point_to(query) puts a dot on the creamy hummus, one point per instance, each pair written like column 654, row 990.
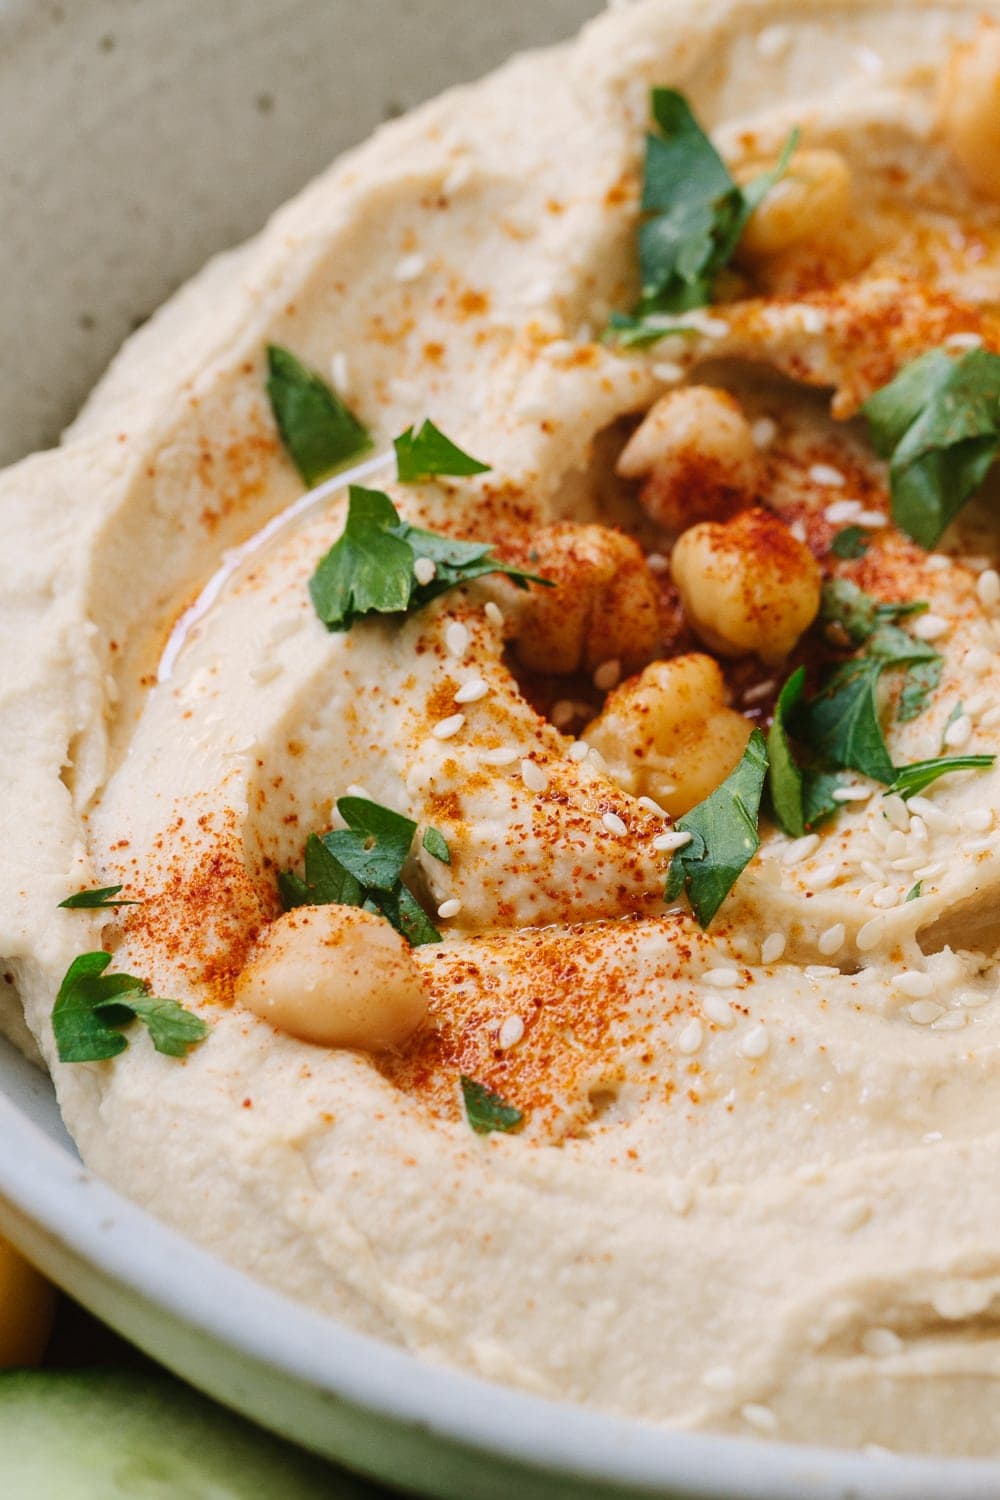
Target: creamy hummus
column 756, row 1187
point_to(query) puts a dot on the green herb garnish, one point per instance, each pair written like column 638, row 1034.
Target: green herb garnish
column 724, row 836
column 362, row 865
column 92, row 1007
column 318, row 430
column 938, row 424
column 693, row 211
column 101, row 898
column 486, row 1111
column 850, row 543
column 801, row 796
column 909, row 780
column 422, row 454
column 631, row 331
column 919, row 682
column 914, row 891
column 437, row 845
column 370, row 570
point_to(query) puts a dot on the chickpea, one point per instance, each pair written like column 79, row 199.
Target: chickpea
column 747, row 585
column 807, row 203
column 336, row 976
column 668, row 734
column 969, row 108
column 603, row 608
column 695, row 452
column 27, row 1303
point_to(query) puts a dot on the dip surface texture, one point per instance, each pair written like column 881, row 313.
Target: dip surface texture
column 755, row 1186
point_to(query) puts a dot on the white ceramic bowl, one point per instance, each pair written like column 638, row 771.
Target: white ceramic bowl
column 135, row 140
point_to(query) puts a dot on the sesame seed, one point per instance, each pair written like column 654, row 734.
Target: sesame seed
column 978, row 703
column 979, row 820
column 896, row 845
column 908, row 864
column 680, row 1196
column 424, row 569
column 263, row 672
column 914, row 983
column 614, row 824
column 534, row 776
column 676, row 839
column 800, row 849
column 357, row 790
column 988, row 588
column 339, row 372
column 826, row 474
column 579, row 750
column 832, row 940
column 472, row 691
column 759, row 690
column 798, row 530
column 881, row 1342
column 823, row 876
column 896, row 811
column 450, row 908
column 872, row 870
column 719, row 1378
column 966, row 340
column 667, row 371
column 712, row 328
column 872, row 518
column 456, row 638
column 457, row 178
column 714, row 1008
column 511, row 1032
column 885, row 898
column 651, row 806
column 690, row 1039
column 657, row 563
column 813, row 319
column 870, row 935
column 842, row 510
column 722, row 979
column 503, row 755
column 959, row 732
column 446, row 728
column 937, row 562
column 772, row 948
column 761, row 1417
column 821, row 971
column 923, row 1012
column 763, row 431
column 932, row 816
column 756, row 1042
column 976, row 846
column 930, row 627
column 608, row 675
column 493, row 612
column 410, row 267
column 596, row 759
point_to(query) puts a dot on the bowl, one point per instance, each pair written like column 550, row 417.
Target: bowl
column 137, row 140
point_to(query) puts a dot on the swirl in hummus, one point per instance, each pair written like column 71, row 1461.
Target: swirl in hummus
column 736, row 1173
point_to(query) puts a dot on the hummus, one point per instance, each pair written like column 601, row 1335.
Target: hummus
column 756, row 1186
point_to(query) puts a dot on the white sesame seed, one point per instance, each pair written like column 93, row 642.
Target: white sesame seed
column 896, row 845
column 456, row 638
column 936, row 562
column 813, row 319
column 534, row 776
column 991, row 718
column 667, row 371
column 832, row 940
column 823, row 876
column 446, row 728
column 914, row 983
column 959, row 732
column 774, row 41
column 424, row 569
column 800, row 849
column 756, row 1042
column 714, row 1008
column 908, row 864
column 579, row 750
column 511, row 1032
column 872, row 519
column 651, row 806
column 978, row 703
column 821, row 971
column 826, row 474
column 690, row 1039
column 932, row 815
column 918, row 829
column 597, row 759
column 712, row 328
column 720, row 1378
column 976, row 846
column 970, row 1000
column 614, row 824
column 657, row 563
column 680, row 1196
column 923, row 1012
column 967, row 340
column 879, row 1343
column 264, row 672
column 340, row 372
column 759, row 690
column 763, row 431
column 722, row 979
column 473, row 690
column 761, row 1417
column 772, row 948
column 607, row 675
column 952, row 1020
column 450, row 908
column 457, row 178
column 870, row 935
column 842, row 510
column 503, row 755
column 872, row 870
column 896, row 811
column 410, row 267
column 979, row 820
column 886, row 898
column 930, row 627
column 988, row 588
column 798, row 530
column 493, row 612
column 675, row 839
column 928, row 872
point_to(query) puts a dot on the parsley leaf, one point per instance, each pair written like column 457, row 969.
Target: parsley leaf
column 422, row 454
column 362, row 865
column 724, row 836
column 919, row 682
column 437, row 845
column 369, row 570
column 856, row 614
column 92, row 1007
column 914, row 891
column 486, row 1111
column 850, row 543
column 101, row 898
column 318, row 430
column 694, row 212
column 909, row 780
column 801, row 796
column 631, row 331
column 938, row 424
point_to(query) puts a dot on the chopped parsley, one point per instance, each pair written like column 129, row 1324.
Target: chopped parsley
column 938, row 424
column 486, row 1111
column 909, row 780
column 100, row 898
column 914, row 891
column 318, row 430
column 634, row 331
column 851, row 543
column 92, row 1007
column 801, row 796
column 694, row 213
column 370, row 569
column 724, row 836
column 426, row 452
column 437, row 845
column 921, row 679
column 362, row 865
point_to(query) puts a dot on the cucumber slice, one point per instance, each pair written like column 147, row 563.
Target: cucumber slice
column 112, row 1435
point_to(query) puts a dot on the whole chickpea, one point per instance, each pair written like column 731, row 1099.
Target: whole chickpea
column 747, row 585
column 969, row 108
column 603, row 607
column 807, row 203
column 336, row 976
column 668, row 734
column 694, row 451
